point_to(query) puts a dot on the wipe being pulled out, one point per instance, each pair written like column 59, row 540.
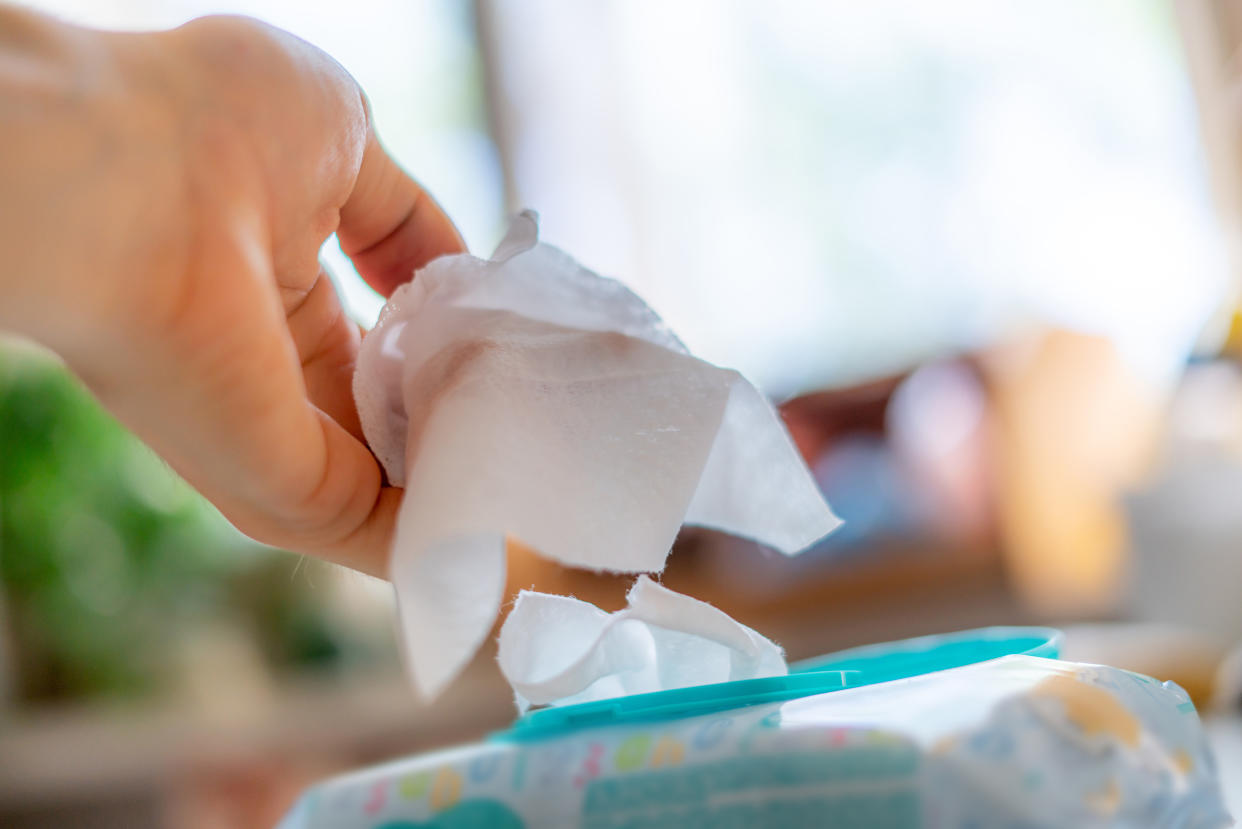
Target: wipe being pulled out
column 525, row 396
column 557, row 650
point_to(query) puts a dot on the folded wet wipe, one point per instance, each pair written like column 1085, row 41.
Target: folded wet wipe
column 525, row 396
column 560, row 650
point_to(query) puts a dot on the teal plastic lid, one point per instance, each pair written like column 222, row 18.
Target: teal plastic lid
column 940, row 652
column 852, row 668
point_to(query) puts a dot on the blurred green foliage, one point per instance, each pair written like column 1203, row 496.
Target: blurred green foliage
column 107, row 558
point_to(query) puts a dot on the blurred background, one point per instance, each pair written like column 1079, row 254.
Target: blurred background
column 985, row 255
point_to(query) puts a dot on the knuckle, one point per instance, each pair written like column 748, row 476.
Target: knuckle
column 327, row 513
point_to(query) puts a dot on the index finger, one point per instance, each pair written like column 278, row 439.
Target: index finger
column 390, row 226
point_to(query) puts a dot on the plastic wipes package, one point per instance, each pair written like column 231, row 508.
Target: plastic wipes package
column 859, row 739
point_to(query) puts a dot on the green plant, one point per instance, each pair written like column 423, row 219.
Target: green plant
column 105, row 554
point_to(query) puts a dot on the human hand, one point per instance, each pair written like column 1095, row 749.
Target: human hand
column 163, row 198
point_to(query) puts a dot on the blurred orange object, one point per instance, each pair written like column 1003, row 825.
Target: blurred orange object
column 1074, row 428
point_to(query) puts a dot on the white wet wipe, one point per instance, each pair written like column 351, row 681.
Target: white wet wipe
column 557, row 650
column 526, row 396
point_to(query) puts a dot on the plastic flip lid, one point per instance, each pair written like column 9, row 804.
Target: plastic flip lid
column 852, row 668
column 927, row 654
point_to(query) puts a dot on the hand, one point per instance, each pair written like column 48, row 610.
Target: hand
column 163, row 198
